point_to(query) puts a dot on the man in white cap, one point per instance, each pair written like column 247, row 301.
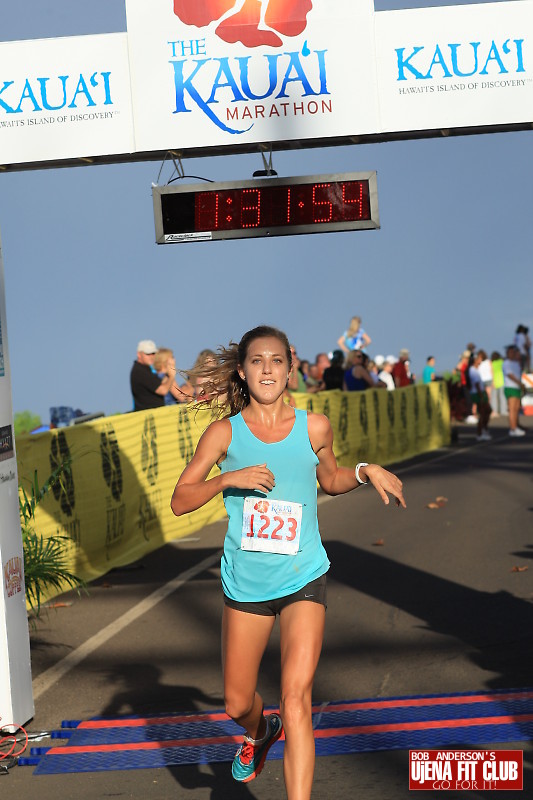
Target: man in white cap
column 147, row 388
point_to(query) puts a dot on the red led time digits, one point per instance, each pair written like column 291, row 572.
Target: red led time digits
column 357, row 188
column 251, row 202
column 276, row 206
column 322, row 209
column 207, row 211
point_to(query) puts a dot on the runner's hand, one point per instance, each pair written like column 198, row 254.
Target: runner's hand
column 258, row 478
column 385, row 481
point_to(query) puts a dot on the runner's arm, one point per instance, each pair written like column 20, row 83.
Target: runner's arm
column 339, row 480
column 193, row 490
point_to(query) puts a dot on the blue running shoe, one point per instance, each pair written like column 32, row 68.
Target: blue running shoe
column 250, row 758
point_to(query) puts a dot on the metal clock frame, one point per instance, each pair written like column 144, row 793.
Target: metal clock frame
column 261, row 183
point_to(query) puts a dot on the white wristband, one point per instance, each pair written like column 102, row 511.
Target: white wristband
column 358, row 467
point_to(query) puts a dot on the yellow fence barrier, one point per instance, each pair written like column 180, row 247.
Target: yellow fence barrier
column 114, row 507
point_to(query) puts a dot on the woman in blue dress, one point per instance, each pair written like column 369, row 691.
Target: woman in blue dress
column 270, row 456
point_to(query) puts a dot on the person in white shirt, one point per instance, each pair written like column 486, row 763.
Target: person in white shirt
column 485, row 371
column 386, row 373
column 512, row 387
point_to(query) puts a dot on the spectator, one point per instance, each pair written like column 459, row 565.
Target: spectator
column 462, row 369
column 316, row 371
column 200, row 387
column 462, row 366
column 321, row 363
column 296, row 381
column 479, row 397
column 385, row 375
column 333, row 376
column 356, row 376
column 355, row 338
column 512, row 382
column 485, row 370
column 160, row 368
column 204, row 360
column 147, row 388
column 428, row 374
column 523, row 342
column 373, row 370
column 400, row 371
column 498, row 402
column 304, row 369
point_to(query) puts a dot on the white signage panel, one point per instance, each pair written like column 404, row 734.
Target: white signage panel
column 65, row 98
column 460, row 66
column 16, row 698
column 234, row 72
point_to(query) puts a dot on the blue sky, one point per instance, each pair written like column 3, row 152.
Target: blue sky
column 85, row 280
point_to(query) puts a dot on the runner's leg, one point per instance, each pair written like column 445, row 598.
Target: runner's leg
column 302, row 631
column 244, row 638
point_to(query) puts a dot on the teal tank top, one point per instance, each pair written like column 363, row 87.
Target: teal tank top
column 254, row 575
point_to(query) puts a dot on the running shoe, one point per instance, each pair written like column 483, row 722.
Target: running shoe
column 250, row 758
column 517, row 432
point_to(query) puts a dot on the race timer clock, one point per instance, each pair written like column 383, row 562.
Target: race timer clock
column 265, row 207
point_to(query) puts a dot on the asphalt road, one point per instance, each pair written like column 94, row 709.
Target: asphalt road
column 421, row 601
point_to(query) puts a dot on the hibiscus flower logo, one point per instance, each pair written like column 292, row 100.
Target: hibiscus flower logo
column 255, row 23
column 261, row 506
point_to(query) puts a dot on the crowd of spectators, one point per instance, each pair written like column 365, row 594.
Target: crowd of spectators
column 352, row 372
column 153, row 376
column 492, row 387
column 480, row 387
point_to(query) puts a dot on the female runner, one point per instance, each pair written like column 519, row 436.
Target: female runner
column 270, row 456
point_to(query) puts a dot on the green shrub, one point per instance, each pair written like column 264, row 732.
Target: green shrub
column 45, row 564
column 25, row 422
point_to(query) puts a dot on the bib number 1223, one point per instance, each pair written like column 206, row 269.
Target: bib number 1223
column 271, row 526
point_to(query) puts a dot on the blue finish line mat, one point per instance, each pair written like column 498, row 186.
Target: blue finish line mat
column 358, row 726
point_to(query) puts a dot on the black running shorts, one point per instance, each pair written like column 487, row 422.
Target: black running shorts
column 314, row 592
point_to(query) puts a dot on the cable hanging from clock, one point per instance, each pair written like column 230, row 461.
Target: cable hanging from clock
column 178, row 172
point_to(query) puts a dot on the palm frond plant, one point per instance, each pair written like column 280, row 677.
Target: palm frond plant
column 45, row 559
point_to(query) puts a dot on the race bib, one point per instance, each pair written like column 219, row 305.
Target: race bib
column 271, row 526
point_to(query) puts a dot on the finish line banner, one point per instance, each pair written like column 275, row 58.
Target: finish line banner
column 114, row 505
column 455, row 66
column 64, row 99
column 200, row 77
column 215, row 72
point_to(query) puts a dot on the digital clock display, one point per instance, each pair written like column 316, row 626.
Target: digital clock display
column 265, row 207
